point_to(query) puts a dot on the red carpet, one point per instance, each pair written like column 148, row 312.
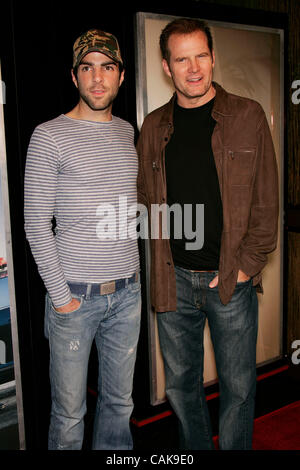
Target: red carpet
column 279, row 430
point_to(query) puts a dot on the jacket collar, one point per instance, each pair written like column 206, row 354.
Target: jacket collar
column 221, row 106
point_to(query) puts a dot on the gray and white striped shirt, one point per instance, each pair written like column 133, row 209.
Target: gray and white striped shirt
column 74, row 167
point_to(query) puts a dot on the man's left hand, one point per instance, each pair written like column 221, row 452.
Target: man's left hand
column 242, row 277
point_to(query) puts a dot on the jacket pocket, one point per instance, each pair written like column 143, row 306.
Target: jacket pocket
column 241, row 165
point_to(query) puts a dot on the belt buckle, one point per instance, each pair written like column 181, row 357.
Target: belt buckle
column 108, row 288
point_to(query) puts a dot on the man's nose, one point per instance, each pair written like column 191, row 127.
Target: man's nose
column 194, row 65
column 98, row 75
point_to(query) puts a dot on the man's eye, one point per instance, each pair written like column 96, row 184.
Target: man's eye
column 86, row 68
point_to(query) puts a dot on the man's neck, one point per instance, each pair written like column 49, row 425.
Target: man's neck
column 83, row 113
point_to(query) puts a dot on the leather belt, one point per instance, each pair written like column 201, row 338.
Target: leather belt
column 208, row 271
column 102, row 289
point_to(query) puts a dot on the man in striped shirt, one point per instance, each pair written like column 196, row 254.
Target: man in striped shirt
column 81, row 169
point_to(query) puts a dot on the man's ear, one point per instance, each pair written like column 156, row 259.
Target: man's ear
column 74, row 79
column 213, row 58
column 122, row 74
column 166, row 68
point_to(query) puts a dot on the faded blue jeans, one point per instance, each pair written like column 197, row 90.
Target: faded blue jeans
column 233, row 329
column 113, row 320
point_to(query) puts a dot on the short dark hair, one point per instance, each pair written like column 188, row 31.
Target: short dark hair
column 183, row 26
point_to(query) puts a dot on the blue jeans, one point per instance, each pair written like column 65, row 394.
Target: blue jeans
column 233, row 329
column 113, row 321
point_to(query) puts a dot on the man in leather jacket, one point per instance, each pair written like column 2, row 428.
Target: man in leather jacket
column 210, row 149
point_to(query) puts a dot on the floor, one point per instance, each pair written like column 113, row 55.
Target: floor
column 275, row 389
column 273, row 392
column 9, row 435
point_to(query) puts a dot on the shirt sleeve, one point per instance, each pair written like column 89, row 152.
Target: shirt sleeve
column 41, row 176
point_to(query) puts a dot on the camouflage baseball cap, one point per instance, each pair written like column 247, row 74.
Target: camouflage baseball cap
column 96, row 40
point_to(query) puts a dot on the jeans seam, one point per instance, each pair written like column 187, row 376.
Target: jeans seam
column 206, row 426
column 245, row 409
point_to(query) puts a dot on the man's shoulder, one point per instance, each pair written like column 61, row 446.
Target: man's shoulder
column 122, row 123
column 243, row 101
column 53, row 124
column 162, row 112
column 239, row 105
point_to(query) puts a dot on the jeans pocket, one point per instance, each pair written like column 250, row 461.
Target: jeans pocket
column 244, row 283
column 73, row 312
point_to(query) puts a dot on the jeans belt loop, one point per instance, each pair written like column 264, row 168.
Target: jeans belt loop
column 88, row 291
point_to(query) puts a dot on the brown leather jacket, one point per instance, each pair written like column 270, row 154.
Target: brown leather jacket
column 247, row 172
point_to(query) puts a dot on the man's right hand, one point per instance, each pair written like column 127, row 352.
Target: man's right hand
column 70, row 307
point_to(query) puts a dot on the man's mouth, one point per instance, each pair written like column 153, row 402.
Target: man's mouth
column 97, row 92
column 194, row 80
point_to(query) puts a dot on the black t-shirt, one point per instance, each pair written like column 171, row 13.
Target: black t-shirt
column 192, row 179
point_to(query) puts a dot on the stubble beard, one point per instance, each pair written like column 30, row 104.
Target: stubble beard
column 197, row 94
column 184, row 91
column 94, row 106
